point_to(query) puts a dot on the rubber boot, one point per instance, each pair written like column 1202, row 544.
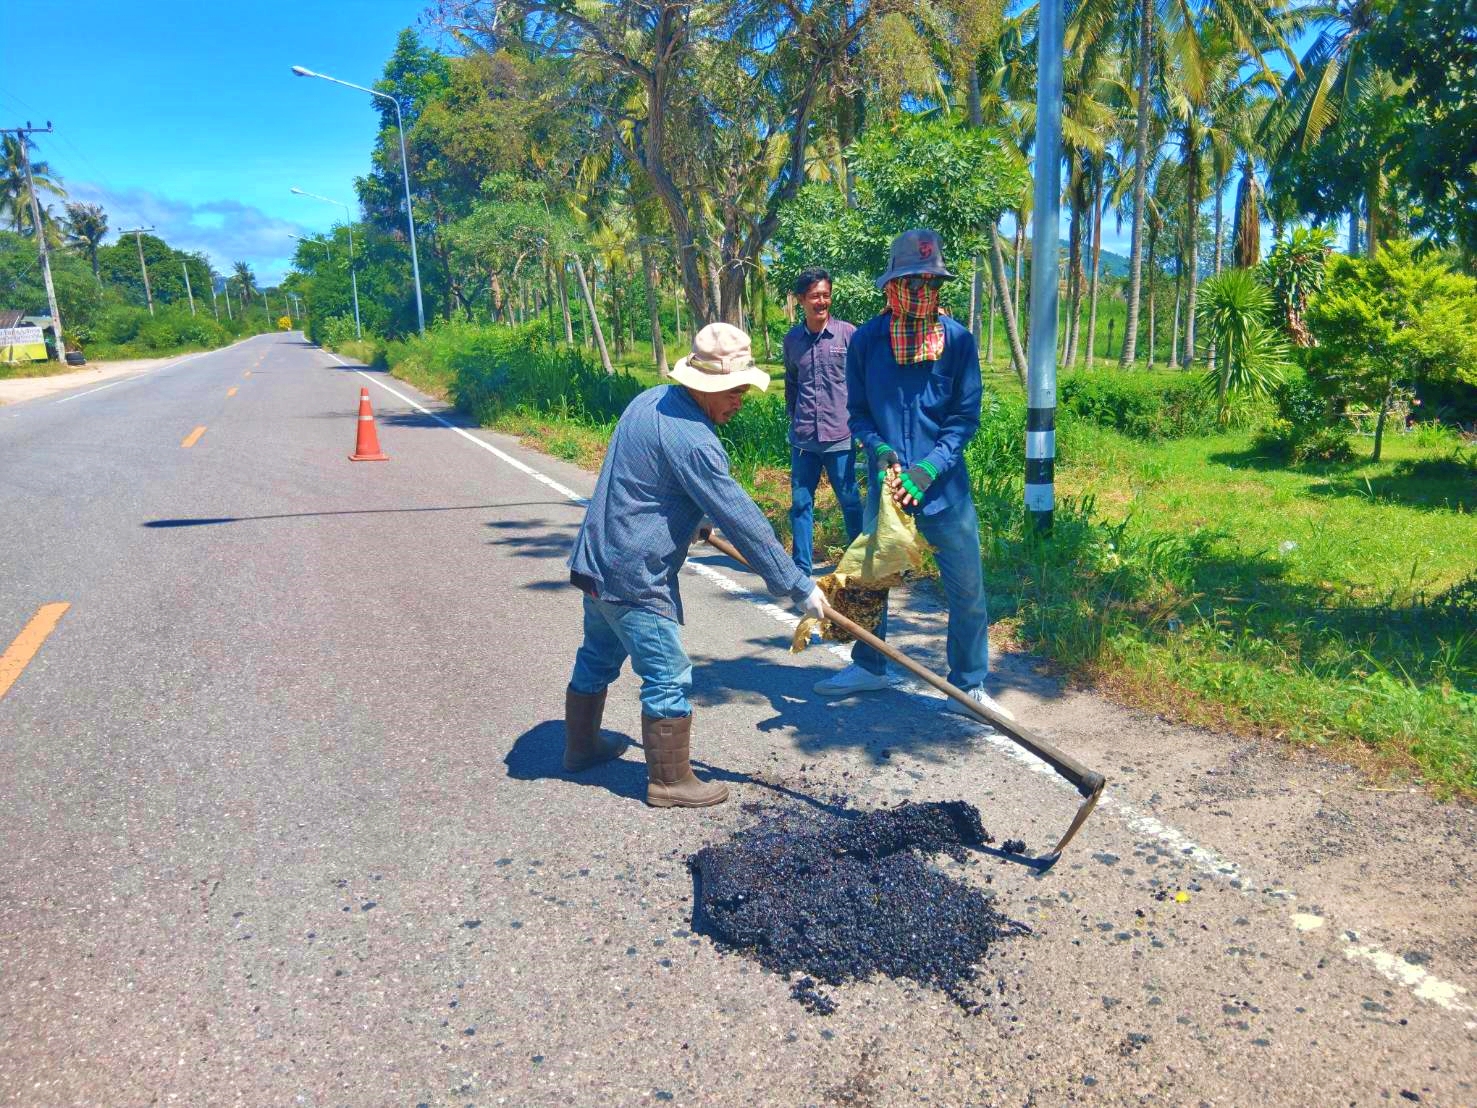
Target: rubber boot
column 583, row 746
column 670, row 782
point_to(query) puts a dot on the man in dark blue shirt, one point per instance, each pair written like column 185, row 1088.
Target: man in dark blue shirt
column 913, row 395
column 815, row 399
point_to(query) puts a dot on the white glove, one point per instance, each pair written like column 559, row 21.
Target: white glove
column 814, row 605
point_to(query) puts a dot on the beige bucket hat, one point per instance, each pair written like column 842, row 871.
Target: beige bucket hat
column 721, row 359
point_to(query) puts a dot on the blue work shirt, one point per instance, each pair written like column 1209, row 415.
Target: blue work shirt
column 815, row 386
column 927, row 411
column 664, row 471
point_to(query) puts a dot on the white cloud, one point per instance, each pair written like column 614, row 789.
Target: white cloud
column 226, row 231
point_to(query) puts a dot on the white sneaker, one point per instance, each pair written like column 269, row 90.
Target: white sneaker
column 982, row 698
column 852, row 679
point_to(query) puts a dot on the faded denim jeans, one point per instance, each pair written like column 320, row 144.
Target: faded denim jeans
column 955, row 537
column 615, row 632
column 805, row 476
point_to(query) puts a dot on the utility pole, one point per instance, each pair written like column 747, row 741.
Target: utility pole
column 1041, row 359
column 188, row 293
column 22, row 140
column 138, row 237
column 214, row 304
column 226, row 288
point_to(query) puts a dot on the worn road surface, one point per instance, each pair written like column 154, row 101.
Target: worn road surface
column 284, row 824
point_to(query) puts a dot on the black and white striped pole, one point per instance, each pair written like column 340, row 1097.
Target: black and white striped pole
column 1041, row 357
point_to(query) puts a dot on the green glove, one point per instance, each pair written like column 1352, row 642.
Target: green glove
column 916, row 479
column 886, row 459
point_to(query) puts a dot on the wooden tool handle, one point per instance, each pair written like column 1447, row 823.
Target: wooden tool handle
column 1086, row 781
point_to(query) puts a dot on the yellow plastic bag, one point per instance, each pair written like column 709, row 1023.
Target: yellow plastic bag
column 872, row 564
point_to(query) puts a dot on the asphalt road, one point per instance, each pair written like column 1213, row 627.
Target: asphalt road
column 283, row 821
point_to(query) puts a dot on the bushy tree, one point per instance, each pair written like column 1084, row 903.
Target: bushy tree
column 1294, row 272
column 917, row 173
column 1395, row 318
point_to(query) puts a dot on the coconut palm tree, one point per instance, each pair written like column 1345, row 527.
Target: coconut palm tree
column 86, row 227
column 15, row 189
column 245, row 280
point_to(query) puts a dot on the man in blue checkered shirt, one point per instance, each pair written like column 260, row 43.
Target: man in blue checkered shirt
column 665, row 474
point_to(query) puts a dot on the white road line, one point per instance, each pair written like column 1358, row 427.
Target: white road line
column 1423, row 985
column 155, row 369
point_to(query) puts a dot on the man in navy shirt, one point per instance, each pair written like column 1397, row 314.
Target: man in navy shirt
column 913, row 397
column 664, row 472
column 815, row 399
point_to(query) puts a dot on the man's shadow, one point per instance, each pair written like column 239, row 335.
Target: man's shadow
column 538, row 753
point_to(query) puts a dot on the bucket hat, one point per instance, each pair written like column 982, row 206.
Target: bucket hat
column 721, row 359
column 916, row 253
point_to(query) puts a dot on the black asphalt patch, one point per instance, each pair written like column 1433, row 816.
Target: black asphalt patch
column 845, row 895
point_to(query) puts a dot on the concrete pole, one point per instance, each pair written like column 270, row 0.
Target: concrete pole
column 188, row 293
column 1041, row 358
column 22, row 136
column 138, row 237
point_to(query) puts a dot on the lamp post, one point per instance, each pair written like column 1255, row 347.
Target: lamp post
column 353, row 277
column 138, row 237
column 415, row 265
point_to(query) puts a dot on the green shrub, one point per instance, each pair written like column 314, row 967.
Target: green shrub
column 1307, row 427
column 1139, row 405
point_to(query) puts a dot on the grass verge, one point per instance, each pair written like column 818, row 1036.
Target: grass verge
column 1329, row 607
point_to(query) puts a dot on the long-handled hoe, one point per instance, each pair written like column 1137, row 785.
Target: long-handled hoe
column 1088, row 783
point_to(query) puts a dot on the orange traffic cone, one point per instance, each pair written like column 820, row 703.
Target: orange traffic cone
column 367, row 446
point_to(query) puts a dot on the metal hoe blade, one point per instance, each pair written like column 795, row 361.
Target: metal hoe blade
column 1088, row 783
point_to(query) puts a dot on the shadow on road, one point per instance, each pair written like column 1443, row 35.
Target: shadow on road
column 539, row 752
column 206, row 521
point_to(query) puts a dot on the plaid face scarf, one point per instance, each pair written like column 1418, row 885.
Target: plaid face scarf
column 915, row 329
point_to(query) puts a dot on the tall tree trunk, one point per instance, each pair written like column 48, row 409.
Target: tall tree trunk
column 1140, row 181
column 990, row 334
column 1020, row 261
column 1247, row 250
column 658, row 348
column 1174, row 338
column 1074, row 260
column 1153, row 332
column 549, row 291
column 1373, row 200
column 1220, row 196
column 564, row 303
column 1097, row 259
column 976, row 287
column 579, row 269
column 1379, row 426
column 1192, row 243
column 997, row 269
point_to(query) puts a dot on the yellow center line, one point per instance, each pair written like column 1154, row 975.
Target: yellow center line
column 193, row 437
column 19, row 654
column 231, row 391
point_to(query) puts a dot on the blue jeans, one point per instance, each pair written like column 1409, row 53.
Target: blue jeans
column 615, row 632
column 805, row 475
column 954, row 534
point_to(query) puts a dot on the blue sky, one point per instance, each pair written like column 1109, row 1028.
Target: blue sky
column 186, row 116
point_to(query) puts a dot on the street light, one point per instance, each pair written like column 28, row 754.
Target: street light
column 415, row 265
column 316, row 242
column 353, row 277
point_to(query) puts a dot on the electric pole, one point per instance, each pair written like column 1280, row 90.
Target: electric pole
column 23, row 141
column 138, row 237
column 188, row 293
